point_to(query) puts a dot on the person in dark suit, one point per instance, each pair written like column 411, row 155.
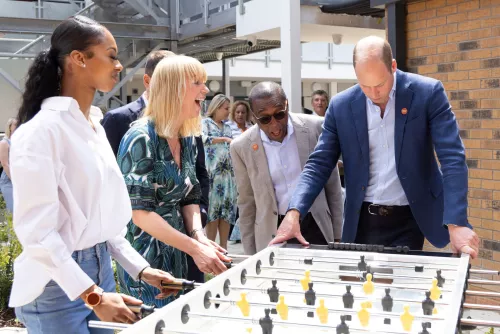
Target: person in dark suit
column 117, row 122
column 389, row 129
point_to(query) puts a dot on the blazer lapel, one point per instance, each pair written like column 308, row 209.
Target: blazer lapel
column 260, row 158
column 404, row 96
column 137, row 108
column 302, row 139
column 358, row 108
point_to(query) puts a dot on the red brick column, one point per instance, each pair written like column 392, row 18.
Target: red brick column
column 458, row 42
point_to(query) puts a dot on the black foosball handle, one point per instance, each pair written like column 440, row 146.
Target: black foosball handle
column 142, row 310
column 180, row 284
column 367, row 248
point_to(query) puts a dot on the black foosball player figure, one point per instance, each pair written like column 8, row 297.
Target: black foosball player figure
column 387, row 304
column 348, row 300
column 342, row 328
column 362, row 263
column 440, row 278
column 274, row 295
column 310, row 299
column 425, row 325
column 266, row 323
column 428, row 304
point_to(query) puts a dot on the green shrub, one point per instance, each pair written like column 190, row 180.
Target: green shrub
column 10, row 248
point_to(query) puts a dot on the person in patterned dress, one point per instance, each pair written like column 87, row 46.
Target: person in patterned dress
column 217, row 136
column 157, row 158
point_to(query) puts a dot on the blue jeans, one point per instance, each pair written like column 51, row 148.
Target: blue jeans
column 52, row 312
column 6, row 189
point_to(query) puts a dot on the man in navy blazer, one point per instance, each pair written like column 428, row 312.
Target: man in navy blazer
column 388, row 129
column 117, row 122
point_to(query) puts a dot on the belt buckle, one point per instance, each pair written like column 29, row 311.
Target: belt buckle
column 374, row 205
column 381, row 211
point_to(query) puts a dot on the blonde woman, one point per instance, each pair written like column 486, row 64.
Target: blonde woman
column 222, row 199
column 5, row 182
column 240, row 118
column 157, row 157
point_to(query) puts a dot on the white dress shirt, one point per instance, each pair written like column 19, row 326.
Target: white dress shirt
column 69, row 194
column 284, row 166
column 384, row 186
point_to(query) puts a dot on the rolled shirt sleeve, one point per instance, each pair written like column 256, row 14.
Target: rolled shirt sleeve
column 123, row 252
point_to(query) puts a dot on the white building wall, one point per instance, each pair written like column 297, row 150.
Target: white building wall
column 248, row 69
column 10, row 97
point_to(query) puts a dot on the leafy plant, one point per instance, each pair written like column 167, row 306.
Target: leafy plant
column 10, row 248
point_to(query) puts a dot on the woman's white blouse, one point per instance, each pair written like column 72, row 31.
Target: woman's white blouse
column 69, row 194
column 235, row 130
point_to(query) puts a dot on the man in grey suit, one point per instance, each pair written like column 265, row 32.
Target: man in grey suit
column 267, row 160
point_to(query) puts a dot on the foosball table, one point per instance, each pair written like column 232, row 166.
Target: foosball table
column 339, row 288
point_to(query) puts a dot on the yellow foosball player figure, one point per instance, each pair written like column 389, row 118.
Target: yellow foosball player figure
column 306, row 280
column 364, row 314
column 282, row 308
column 368, row 286
column 244, row 305
column 407, row 318
column 322, row 312
column 435, row 290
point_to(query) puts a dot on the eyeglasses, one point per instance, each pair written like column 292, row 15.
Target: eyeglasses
column 267, row 119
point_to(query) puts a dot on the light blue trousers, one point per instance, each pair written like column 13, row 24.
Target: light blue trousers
column 52, row 312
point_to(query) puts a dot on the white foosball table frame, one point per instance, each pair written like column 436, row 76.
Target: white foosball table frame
column 213, row 307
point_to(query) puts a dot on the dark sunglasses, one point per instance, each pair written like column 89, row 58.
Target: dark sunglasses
column 267, row 119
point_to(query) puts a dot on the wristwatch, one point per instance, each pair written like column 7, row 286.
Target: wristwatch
column 94, row 297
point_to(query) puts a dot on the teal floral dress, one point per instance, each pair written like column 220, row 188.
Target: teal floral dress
column 155, row 183
column 223, row 193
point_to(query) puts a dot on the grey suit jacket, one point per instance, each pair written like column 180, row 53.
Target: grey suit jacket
column 256, row 198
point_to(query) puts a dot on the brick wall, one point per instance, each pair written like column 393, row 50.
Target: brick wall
column 458, row 42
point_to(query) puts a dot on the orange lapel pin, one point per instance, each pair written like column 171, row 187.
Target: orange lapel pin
column 404, row 111
column 255, row 147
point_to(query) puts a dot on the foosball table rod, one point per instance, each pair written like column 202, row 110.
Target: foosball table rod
column 483, row 282
column 349, row 273
column 481, row 307
column 119, row 327
column 339, row 282
column 331, row 310
column 342, row 260
column 286, row 323
column 483, row 293
column 474, row 322
column 326, row 295
column 486, row 272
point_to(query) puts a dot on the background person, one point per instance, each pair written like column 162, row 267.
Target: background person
column 5, row 182
column 217, row 136
column 319, row 102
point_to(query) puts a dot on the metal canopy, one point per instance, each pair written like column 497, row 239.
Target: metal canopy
column 119, row 30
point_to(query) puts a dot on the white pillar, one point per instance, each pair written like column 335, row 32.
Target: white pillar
column 291, row 53
column 226, row 78
column 333, row 89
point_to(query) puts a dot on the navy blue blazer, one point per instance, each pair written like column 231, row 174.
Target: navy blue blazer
column 437, row 195
column 117, row 122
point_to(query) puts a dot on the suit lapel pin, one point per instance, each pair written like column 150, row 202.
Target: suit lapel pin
column 404, row 111
column 255, row 147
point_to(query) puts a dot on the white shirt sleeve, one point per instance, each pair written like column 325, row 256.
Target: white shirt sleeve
column 36, row 221
column 123, row 252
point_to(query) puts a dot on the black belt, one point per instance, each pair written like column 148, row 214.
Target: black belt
column 386, row 210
